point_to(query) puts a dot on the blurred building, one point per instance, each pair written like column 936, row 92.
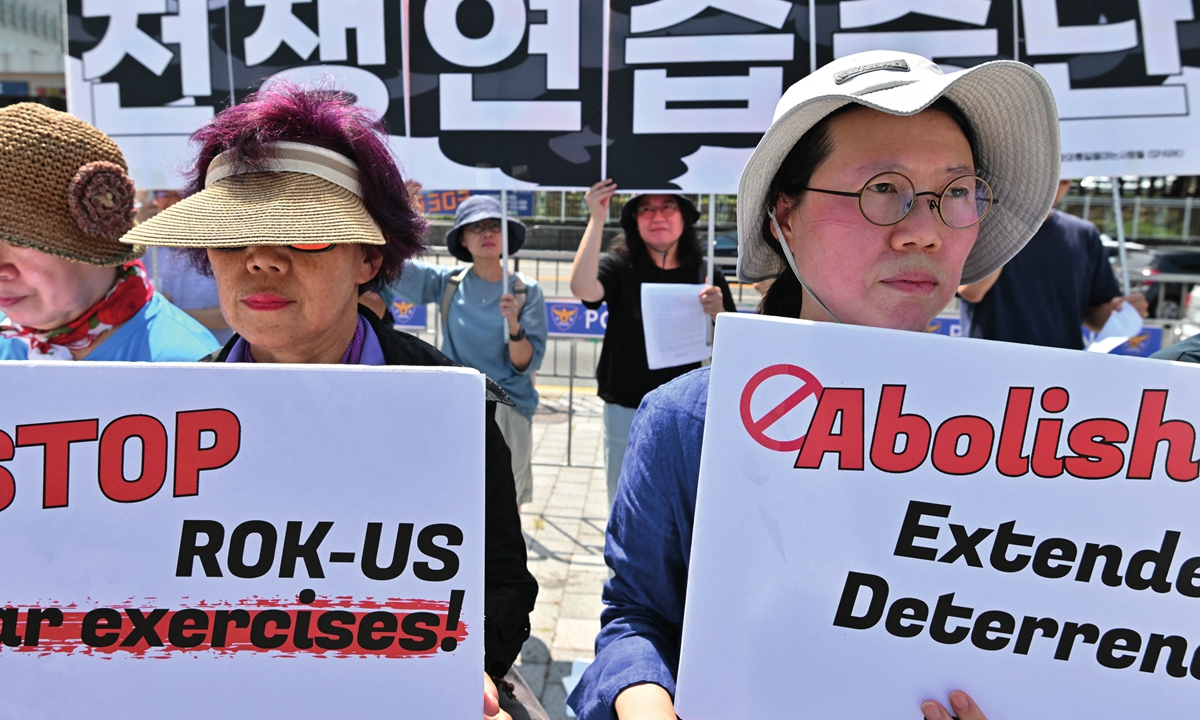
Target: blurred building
column 31, row 52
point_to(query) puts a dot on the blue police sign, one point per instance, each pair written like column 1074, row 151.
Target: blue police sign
column 1144, row 344
column 951, row 326
column 569, row 318
column 408, row 314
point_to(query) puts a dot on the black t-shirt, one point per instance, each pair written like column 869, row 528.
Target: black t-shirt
column 1044, row 292
column 624, row 376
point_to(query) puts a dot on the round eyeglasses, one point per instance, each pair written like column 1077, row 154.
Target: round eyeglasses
column 889, row 197
column 667, row 209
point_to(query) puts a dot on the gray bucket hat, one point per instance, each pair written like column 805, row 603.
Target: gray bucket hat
column 474, row 209
column 1008, row 104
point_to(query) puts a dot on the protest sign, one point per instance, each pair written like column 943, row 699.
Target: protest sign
column 509, row 94
column 177, row 536
column 884, row 516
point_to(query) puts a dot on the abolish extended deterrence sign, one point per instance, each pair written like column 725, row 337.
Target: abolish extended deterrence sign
column 904, row 514
column 243, row 533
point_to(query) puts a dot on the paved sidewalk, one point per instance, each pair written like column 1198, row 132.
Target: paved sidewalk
column 564, row 530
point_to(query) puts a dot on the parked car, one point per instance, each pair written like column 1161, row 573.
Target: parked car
column 1166, row 299
column 1191, row 313
column 1137, row 257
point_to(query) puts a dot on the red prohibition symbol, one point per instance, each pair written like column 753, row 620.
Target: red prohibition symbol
column 757, row 428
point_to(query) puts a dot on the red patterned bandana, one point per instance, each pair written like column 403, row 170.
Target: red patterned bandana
column 129, row 295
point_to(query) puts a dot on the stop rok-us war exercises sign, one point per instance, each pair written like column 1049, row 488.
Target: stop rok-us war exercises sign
column 902, row 514
column 240, row 541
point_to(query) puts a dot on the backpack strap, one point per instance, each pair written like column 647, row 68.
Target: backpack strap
column 449, row 291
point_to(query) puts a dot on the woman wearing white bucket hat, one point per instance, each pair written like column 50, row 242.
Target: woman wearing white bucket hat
column 881, row 185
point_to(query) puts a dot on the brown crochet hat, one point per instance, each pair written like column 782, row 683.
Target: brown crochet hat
column 64, row 189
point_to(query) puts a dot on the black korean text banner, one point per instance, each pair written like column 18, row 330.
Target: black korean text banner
column 147, row 77
column 506, row 93
column 692, row 87
column 956, row 35
column 1125, row 75
column 351, row 46
column 532, row 93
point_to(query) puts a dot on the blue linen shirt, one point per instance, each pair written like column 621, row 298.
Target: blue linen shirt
column 476, row 332
column 1184, row 351
column 648, row 546
column 159, row 332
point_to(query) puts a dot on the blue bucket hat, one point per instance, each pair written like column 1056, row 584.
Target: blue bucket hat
column 474, row 209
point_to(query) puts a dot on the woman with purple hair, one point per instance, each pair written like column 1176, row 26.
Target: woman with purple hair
column 295, row 206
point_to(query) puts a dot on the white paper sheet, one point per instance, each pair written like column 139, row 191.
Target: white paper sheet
column 674, row 324
column 1120, row 326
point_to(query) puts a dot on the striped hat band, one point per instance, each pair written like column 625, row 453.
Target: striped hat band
column 285, row 156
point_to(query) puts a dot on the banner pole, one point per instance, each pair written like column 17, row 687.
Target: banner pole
column 604, row 62
column 812, row 36
column 504, row 248
column 228, row 54
column 712, row 241
column 1120, row 217
column 712, row 234
column 406, row 72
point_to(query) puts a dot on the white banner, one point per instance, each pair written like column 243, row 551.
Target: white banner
column 179, row 538
column 885, row 516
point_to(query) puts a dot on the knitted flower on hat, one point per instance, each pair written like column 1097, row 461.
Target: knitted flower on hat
column 101, row 197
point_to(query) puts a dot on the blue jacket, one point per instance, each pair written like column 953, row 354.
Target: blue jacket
column 649, row 542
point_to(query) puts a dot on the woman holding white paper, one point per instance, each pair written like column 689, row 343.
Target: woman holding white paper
column 658, row 245
column 881, row 185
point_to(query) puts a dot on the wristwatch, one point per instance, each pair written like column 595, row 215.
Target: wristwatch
column 519, row 336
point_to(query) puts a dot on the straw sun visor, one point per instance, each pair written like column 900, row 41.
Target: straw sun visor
column 1009, row 105
column 301, row 194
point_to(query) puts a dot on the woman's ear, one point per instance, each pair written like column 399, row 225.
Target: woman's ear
column 372, row 261
column 783, row 208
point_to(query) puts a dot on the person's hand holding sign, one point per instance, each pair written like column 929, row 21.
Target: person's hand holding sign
column 491, row 701
column 520, row 350
column 962, row 703
column 510, row 310
column 585, row 269
column 711, row 299
column 599, row 197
